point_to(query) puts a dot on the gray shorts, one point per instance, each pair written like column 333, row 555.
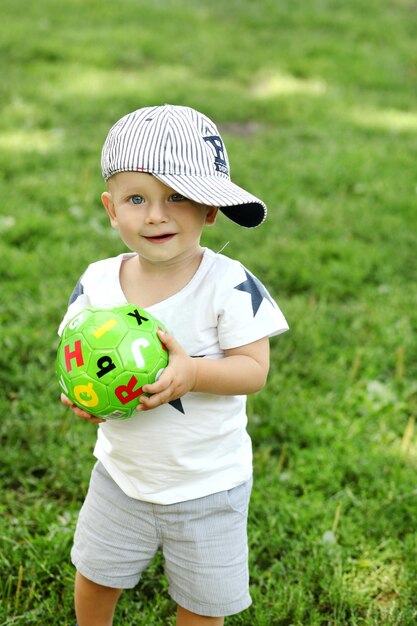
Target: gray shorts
column 204, row 543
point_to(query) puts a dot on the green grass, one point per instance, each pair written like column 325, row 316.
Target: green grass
column 317, row 102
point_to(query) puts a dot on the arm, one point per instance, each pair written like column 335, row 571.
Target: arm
column 243, row 370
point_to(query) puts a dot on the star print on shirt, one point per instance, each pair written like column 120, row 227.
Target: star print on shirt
column 255, row 289
column 177, row 404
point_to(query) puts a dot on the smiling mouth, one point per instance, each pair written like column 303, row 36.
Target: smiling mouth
column 160, row 238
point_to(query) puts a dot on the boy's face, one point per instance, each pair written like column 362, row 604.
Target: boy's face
column 154, row 220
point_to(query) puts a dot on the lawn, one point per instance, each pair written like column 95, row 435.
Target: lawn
column 317, row 103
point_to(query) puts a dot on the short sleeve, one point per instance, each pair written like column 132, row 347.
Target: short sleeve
column 246, row 310
column 77, row 302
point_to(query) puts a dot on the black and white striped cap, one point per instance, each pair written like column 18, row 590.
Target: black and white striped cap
column 183, row 149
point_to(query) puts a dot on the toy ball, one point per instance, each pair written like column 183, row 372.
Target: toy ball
column 106, row 356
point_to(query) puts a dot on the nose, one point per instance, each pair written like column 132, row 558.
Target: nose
column 157, row 213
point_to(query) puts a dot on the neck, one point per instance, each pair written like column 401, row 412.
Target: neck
column 146, row 283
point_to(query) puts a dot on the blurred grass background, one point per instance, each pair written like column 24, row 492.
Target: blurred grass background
column 317, row 104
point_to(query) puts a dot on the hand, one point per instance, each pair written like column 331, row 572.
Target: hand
column 177, row 379
column 79, row 412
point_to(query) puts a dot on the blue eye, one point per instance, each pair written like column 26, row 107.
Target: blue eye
column 177, row 197
column 136, row 199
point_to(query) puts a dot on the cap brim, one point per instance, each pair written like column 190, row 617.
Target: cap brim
column 236, row 203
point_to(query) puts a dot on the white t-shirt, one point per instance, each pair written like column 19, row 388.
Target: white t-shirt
column 196, row 445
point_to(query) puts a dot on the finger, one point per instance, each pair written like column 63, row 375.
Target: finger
column 85, row 416
column 168, row 340
column 145, row 403
column 80, row 412
column 93, row 419
column 75, row 409
column 65, row 400
column 157, row 387
column 151, row 402
column 96, row 420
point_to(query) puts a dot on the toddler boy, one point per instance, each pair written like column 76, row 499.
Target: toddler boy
column 177, row 476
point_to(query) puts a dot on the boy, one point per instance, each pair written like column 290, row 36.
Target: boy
column 177, row 476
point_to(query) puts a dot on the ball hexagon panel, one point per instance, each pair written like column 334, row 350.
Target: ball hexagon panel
column 89, row 394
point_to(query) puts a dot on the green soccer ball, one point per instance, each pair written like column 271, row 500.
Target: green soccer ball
column 106, row 356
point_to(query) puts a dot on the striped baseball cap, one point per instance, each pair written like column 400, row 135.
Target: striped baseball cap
column 183, row 149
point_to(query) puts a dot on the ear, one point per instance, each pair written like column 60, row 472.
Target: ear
column 108, row 204
column 211, row 214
